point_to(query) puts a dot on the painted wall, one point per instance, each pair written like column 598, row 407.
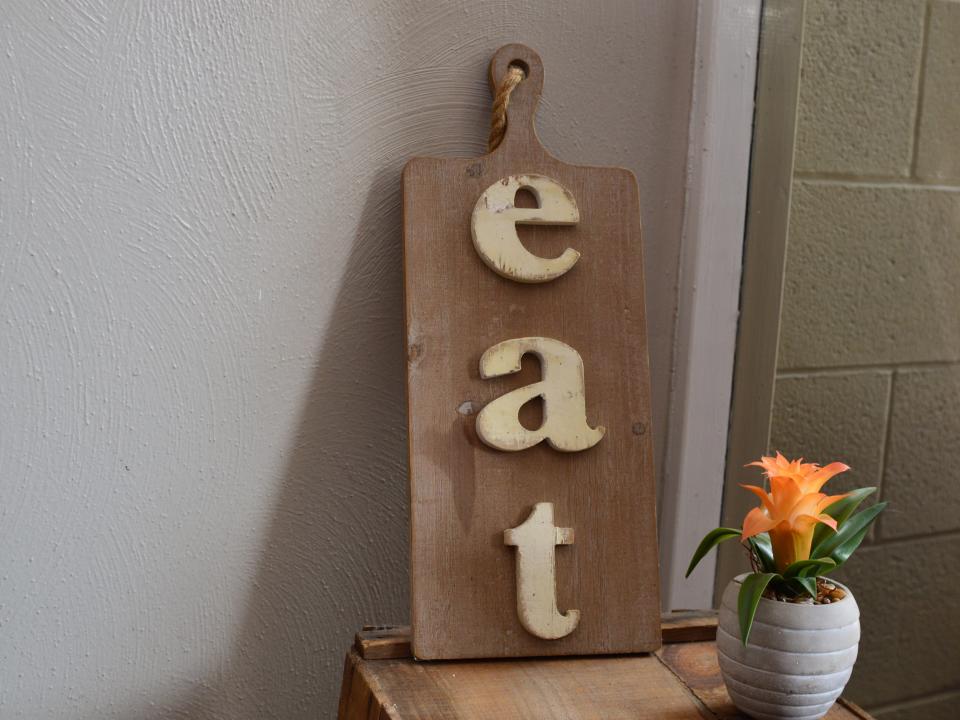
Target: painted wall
column 870, row 340
column 202, row 443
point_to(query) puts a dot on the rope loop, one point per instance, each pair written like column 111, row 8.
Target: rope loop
column 498, row 119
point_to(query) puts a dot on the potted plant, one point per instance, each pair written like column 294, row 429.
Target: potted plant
column 788, row 637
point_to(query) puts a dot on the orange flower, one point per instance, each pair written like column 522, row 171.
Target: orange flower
column 810, row 476
column 792, row 508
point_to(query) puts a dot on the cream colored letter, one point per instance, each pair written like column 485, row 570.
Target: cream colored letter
column 495, row 234
column 564, row 424
column 536, row 540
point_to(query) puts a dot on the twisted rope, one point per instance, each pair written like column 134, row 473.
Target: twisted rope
column 498, row 119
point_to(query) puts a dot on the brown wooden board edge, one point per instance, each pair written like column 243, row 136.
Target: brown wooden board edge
column 391, row 642
column 688, row 626
column 855, row 709
column 384, row 642
column 360, row 694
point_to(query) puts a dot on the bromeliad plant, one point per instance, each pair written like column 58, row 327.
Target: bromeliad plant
column 796, row 535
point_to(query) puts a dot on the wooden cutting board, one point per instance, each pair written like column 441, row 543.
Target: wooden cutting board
column 465, row 493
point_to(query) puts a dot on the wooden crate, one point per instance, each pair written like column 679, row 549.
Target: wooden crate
column 679, row 682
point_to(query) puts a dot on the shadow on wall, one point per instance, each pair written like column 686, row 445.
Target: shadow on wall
column 336, row 553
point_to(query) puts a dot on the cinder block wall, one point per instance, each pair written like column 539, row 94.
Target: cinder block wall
column 869, row 368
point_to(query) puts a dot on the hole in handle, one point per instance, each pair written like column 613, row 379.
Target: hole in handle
column 522, row 66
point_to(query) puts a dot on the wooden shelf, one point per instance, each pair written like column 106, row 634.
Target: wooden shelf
column 681, row 681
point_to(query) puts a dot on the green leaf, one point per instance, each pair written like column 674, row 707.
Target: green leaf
column 711, row 540
column 761, row 545
column 751, row 591
column 843, row 553
column 804, row 585
column 839, row 511
column 809, row 568
column 848, row 532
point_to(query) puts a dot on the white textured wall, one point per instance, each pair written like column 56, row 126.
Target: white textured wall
column 202, row 444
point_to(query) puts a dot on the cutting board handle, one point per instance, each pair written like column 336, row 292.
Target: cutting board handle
column 522, row 109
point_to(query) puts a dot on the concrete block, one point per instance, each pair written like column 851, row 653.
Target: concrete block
column 834, row 417
column 910, row 641
column 859, row 86
column 938, row 148
column 871, row 276
column 919, row 481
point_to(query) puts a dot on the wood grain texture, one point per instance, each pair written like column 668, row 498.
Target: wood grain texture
column 680, row 682
column 465, row 494
column 689, row 626
column 637, row 687
column 375, row 642
column 383, row 642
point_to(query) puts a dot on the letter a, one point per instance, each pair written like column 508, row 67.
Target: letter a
column 494, row 229
column 536, row 540
column 564, row 424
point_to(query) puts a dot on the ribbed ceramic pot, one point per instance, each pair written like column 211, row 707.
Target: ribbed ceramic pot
column 798, row 659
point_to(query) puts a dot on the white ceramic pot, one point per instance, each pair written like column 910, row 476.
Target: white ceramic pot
column 798, row 659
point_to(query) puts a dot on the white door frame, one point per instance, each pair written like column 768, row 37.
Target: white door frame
column 718, row 165
column 764, row 260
